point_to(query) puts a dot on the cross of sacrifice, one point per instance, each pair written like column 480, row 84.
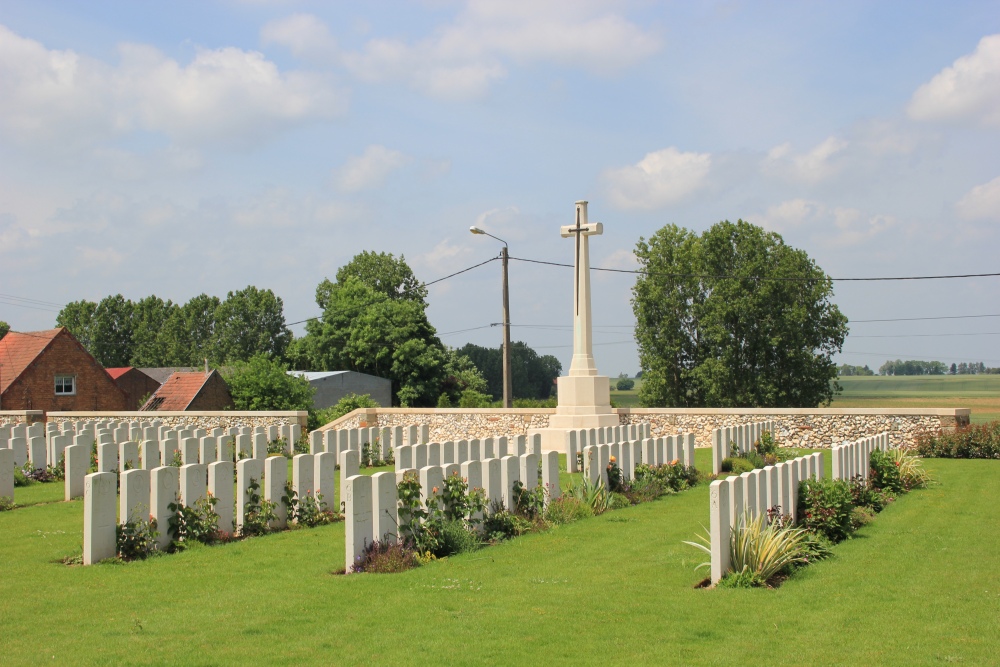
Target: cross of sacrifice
column 583, row 356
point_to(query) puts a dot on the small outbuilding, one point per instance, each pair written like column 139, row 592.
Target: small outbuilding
column 137, row 385
column 51, row 371
column 198, row 390
column 331, row 386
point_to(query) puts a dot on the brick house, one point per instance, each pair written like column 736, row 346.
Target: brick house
column 51, row 371
column 191, row 391
column 137, row 385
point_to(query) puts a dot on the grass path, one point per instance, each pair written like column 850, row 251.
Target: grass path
column 919, row 586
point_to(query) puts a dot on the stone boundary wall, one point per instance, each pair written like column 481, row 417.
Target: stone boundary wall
column 21, row 416
column 196, row 418
column 815, row 428
column 451, row 423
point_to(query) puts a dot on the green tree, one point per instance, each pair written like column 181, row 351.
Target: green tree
column 345, row 405
column 151, row 344
column 4, row 328
column 382, row 272
column 373, row 331
column 78, row 318
column 112, row 331
column 250, row 322
column 725, row 319
column 262, row 383
column 532, row 375
column 624, row 383
column 198, row 321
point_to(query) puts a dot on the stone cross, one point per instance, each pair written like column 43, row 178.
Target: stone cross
column 583, row 350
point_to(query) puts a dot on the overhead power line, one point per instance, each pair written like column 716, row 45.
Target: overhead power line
column 771, row 278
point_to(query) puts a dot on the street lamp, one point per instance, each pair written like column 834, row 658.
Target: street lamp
column 507, row 384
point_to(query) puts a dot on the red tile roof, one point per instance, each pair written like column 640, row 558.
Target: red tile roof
column 18, row 349
column 116, row 373
column 177, row 392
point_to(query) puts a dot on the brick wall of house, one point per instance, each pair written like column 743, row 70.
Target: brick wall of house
column 137, row 387
column 214, row 395
column 35, row 388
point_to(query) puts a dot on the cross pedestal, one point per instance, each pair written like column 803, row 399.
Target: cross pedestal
column 584, row 396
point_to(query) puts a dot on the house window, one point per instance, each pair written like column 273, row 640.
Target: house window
column 65, row 385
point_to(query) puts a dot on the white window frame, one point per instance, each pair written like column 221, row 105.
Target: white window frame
column 63, row 379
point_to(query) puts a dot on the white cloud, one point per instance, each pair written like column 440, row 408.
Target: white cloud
column 464, row 57
column 812, row 167
column 370, row 169
column 305, row 35
column 967, row 90
column 225, row 95
column 835, row 225
column 981, row 202
column 661, row 178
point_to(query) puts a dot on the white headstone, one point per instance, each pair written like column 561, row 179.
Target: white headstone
column 248, row 471
column 275, row 478
column 358, row 524
column 220, row 485
column 384, row 502
column 326, row 475
column 99, row 516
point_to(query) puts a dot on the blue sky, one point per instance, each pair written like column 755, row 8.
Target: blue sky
column 179, row 148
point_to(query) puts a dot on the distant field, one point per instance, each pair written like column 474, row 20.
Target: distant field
column 980, row 393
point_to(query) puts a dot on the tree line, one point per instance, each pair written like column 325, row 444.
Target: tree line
column 917, row 367
column 152, row 332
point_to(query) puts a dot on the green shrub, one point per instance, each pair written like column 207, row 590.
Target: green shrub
column 675, row 476
column 454, row 537
column 7, row 504
column 20, row 479
column 619, row 501
column 864, row 494
column 980, row 441
column 199, row 522
column 625, row 384
column 861, row 516
column 567, row 509
column 759, row 551
column 646, row 489
column 825, row 508
column 257, row 513
column 347, row 404
column 136, row 540
column 738, row 465
column 884, row 473
column 386, row 558
column 471, row 398
column 528, row 504
column 499, row 524
column 766, row 444
column 911, row 468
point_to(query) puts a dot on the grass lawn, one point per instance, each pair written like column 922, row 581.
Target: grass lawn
column 919, row 586
column 981, row 393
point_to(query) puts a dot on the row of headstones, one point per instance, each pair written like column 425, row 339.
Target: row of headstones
column 744, row 497
column 853, row 459
column 389, row 438
column 743, row 437
column 371, row 503
column 152, row 491
column 46, row 447
column 416, row 457
column 651, row 451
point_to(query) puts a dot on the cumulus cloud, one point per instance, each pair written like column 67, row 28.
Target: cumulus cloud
column 968, row 90
column 661, row 178
column 837, row 225
column 810, row 167
column 370, row 169
column 464, row 57
column 304, row 35
column 225, row 95
column 981, row 202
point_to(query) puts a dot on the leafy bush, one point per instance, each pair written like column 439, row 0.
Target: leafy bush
column 567, row 509
column 533, row 403
column 980, row 441
column 862, row 516
column 619, row 501
column 673, row 475
column 20, row 479
column 136, row 540
column 471, row 398
column 593, row 495
column 500, row 524
column 884, row 473
column 766, row 444
column 199, row 522
column 911, row 469
column 864, row 494
column 386, row 558
column 456, row 538
column 825, row 508
column 278, row 446
column 347, row 404
column 646, row 489
column 308, row 511
column 7, row 504
column 616, row 480
column 625, row 384
column 262, row 383
column 737, row 465
column 257, row 513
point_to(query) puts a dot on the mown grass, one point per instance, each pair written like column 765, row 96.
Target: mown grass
column 919, row 586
